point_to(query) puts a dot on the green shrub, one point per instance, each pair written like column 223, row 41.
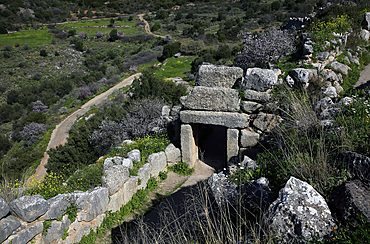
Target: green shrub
column 163, row 175
column 43, row 53
column 152, row 184
column 46, row 224
column 181, row 168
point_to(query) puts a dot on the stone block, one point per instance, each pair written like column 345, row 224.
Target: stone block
column 232, row 145
column 158, row 163
column 124, row 195
column 250, row 107
column 144, row 175
column 27, row 234
column 366, row 22
column 259, row 79
column 248, row 138
column 29, row 208
column 173, row 154
column 7, row 226
column 227, row 119
column 59, row 205
column 56, row 230
column 115, row 177
column 260, row 97
column 4, row 208
column 218, row 76
column 95, row 204
column 302, row 76
column 342, row 68
column 134, row 155
column 212, row 99
column 188, row 148
column 267, row 122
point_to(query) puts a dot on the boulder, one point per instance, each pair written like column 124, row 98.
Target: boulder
column 166, row 110
column 307, row 49
column 300, row 213
column 259, row 193
column 29, row 208
column 249, row 163
column 127, row 162
column 365, row 35
column 322, row 56
column 338, row 87
column 259, row 79
column 56, row 230
column 351, row 200
column 144, row 175
column 218, row 76
column 342, row 68
column 357, row 165
column 329, row 75
column 260, row 97
column 323, row 104
column 232, row 145
column 173, row 154
column 248, row 138
column 366, row 21
column 302, row 76
column 96, row 203
column 115, row 177
column 58, row 205
column 227, row 119
column 266, row 122
column 250, row 107
column 158, row 163
column 175, row 111
column 7, row 226
column 134, row 155
column 330, row 92
column 28, row 234
column 223, row 190
column 4, row 208
column 212, row 99
column 76, row 231
column 289, row 80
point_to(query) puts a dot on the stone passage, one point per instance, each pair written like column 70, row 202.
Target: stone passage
column 216, row 126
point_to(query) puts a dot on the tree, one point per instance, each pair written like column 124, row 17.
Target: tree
column 262, row 49
column 31, row 132
column 113, row 35
column 38, row 106
column 169, row 50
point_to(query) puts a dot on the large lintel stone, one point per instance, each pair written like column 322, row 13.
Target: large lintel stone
column 227, row 119
column 212, row 99
column 221, row 76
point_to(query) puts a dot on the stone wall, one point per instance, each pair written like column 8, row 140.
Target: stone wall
column 22, row 220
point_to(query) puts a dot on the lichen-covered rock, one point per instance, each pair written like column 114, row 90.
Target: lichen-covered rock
column 56, row 230
column 302, row 76
column 322, row 56
column 144, row 175
column 267, row 122
column 158, row 163
column 27, row 234
column 124, row 195
column 329, row 75
column 330, row 92
column 4, row 208
column 260, row 97
column 212, row 99
column 323, row 104
column 249, row 163
column 29, row 208
column 59, row 205
column 227, row 119
column 357, row 165
column 248, row 138
column 115, row 177
column 223, row 190
column 173, row 154
column 96, row 203
column 307, row 49
column 127, row 162
column 340, row 67
column 259, row 79
column 7, row 226
column 166, row 110
column 218, row 76
column 365, row 34
column 351, row 200
column 250, row 107
column 134, row 155
column 300, row 213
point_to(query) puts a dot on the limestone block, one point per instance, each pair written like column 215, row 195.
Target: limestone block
column 260, row 97
column 188, row 148
column 158, row 163
column 227, row 119
column 56, row 230
column 232, row 145
column 248, row 138
column 212, row 99
column 77, row 230
column 259, row 79
column 7, row 226
column 267, row 122
column 29, row 208
column 124, row 195
column 4, row 208
column 299, row 213
column 127, row 162
column 322, row 56
column 59, row 205
column 27, row 234
column 173, row 154
column 115, row 177
column 134, row 155
column 250, row 107
column 340, row 67
column 144, row 175
column 302, row 76
column 218, row 76
column 96, row 204
column 365, row 34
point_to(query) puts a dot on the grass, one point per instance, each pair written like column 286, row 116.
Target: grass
column 175, row 67
column 31, row 37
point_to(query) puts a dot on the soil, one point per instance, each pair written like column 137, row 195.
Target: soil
column 147, row 27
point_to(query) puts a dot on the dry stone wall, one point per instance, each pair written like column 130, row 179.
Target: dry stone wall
column 23, row 219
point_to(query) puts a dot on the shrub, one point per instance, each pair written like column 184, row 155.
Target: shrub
column 7, row 48
column 43, row 53
column 99, row 34
column 181, row 168
column 38, row 106
column 31, row 132
column 83, row 93
column 155, row 27
column 261, row 49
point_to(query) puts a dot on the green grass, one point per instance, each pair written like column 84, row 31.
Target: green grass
column 175, row 67
column 30, row 37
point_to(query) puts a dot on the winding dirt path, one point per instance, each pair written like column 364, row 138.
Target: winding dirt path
column 61, row 131
column 364, row 77
column 147, row 27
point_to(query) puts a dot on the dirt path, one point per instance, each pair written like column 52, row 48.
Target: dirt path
column 147, row 27
column 61, row 131
column 364, row 77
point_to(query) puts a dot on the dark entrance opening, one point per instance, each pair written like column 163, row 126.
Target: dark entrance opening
column 211, row 142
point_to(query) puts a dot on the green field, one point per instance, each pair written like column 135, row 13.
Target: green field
column 175, row 67
column 31, row 37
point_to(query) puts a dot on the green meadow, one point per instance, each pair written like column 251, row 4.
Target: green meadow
column 30, row 37
column 175, row 67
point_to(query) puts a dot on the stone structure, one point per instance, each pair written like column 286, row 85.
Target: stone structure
column 213, row 101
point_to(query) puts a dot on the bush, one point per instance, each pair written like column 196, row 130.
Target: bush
column 31, row 132
column 43, row 53
column 181, row 168
column 169, row 50
column 155, row 27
